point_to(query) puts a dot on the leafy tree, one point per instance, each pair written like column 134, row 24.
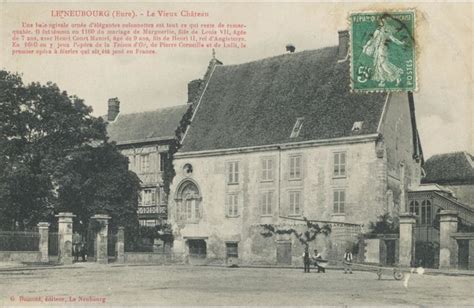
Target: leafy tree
column 96, row 180
column 54, row 156
column 385, row 224
column 305, row 237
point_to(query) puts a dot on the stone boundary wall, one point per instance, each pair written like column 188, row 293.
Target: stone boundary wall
column 147, row 257
column 20, row 256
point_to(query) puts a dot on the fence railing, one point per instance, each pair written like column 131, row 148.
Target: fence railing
column 111, row 240
column 53, row 243
column 19, row 241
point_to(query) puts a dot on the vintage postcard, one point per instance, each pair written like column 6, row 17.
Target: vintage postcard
column 236, row 154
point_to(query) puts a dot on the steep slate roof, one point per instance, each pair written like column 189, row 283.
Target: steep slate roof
column 449, row 168
column 257, row 103
column 146, row 126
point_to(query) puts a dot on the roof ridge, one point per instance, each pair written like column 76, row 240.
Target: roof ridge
column 278, row 56
column 450, row 153
column 154, row 110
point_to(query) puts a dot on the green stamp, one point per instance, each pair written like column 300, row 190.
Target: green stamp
column 383, row 51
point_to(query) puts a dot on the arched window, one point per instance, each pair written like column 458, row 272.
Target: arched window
column 415, row 208
column 426, row 215
column 188, row 202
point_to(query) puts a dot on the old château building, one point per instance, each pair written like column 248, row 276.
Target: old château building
column 282, row 138
column 145, row 138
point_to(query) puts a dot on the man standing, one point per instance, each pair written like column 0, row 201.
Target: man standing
column 306, row 260
column 348, row 262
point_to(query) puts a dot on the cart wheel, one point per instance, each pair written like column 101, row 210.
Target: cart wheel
column 379, row 274
column 398, row 275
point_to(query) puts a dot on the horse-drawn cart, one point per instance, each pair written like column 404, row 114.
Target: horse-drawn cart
column 380, row 270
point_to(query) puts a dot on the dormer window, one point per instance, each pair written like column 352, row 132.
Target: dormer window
column 357, row 126
column 297, row 128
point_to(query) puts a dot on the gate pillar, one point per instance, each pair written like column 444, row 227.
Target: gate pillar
column 406, row 248
column 448, row 247
column 65, row 237
column 43, row 228
column 120, row 245
column 101, row 252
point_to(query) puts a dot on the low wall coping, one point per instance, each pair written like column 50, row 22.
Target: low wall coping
column 146, row 253
column 463, row 235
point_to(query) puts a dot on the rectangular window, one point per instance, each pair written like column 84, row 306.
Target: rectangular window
column 149, row 197
column 295, row 167
column 339, row 201
column 232, row 250
column 267, row 169
column 233, row 205
column 144, row 163
column 233, row 172
column 163, row 157
column 266, row 200
column 340, row 164
column 295, row 203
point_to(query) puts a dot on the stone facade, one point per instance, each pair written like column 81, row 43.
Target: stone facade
column 365, row 185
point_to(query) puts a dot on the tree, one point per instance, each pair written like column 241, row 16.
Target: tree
column 385, row 224
column 305, row 237
column 54, row 155
column 96, row 180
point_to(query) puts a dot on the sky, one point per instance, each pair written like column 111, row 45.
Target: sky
column 445, row 55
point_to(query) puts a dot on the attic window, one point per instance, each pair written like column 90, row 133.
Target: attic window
column 297, row 128
column 357, row 126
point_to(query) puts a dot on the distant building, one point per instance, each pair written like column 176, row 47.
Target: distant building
column 145, row 138
column 448, row 185
column 278, row 139
column 454, row 171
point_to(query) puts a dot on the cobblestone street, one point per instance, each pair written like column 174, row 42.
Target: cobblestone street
column 186, row 285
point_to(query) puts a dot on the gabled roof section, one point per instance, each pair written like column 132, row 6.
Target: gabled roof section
column 449, row 168
column 146, row 126
column 257, row 103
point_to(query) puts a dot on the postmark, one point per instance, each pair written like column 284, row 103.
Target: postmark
column 383, row 51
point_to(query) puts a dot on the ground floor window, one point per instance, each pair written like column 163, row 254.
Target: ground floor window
column 197, row 248
column 232, row 249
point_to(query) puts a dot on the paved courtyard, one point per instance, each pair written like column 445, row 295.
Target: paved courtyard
column 187, row 285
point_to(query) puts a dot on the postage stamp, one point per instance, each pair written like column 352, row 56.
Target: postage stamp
column 383, row 51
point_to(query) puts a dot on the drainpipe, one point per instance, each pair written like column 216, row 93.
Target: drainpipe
column 279, row 179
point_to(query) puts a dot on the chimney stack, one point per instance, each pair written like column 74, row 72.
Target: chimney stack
column 114, row 109
column 343, row 47
column 290, row 48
